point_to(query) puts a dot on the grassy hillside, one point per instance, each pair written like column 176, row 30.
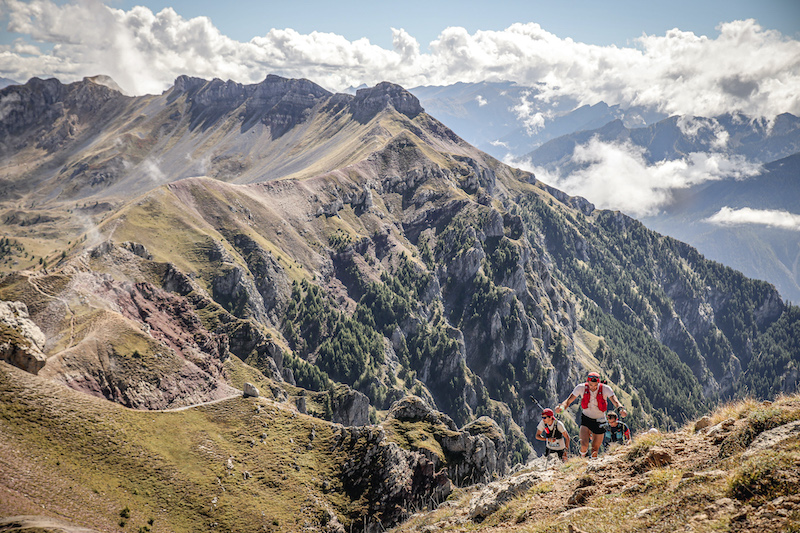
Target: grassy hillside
column 236, row 465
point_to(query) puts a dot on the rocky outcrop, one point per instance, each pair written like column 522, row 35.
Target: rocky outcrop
column 393, row 481
column 477, row 453
column 279, row 103
column 773, row 438
column 21, row 341
column 495, row 494
column 49, row 111
column 270, row 278
column 350, row 408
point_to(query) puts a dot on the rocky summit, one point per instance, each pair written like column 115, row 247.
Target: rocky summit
column 271, row 307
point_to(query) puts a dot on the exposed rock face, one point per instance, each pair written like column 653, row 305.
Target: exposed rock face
column 270, row 279
column 43, row 102
column 394, row 481
column 277, row 102
column 351, row 409
column 476, row 453
column 21, row 341
column 491, row 498
column 773, row 438
column 153, row 353
column 368, row 102
column 40, row 523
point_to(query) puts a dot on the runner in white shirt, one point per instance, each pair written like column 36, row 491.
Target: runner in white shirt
column 595, row 397
column 554, row 434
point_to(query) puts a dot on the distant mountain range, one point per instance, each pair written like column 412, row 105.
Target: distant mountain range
column 5, row 82
column 760, row 251
column 501, row 119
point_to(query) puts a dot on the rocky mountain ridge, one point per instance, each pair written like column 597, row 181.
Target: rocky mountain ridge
column 390, row 259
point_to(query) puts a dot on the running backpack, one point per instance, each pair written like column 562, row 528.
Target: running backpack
column 587, row 395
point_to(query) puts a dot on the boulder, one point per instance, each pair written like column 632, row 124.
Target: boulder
column 250, row 390
column 351, row 409
column 494, row 495
column 656, row 457
column 702, row 423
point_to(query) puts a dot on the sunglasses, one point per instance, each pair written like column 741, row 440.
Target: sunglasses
column 545, row 416
column 593, row 379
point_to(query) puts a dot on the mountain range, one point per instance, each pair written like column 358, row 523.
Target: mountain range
column 360, row 263
column 511, row 123
column 759, row 250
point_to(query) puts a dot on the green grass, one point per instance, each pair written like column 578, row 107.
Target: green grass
column 172, row 465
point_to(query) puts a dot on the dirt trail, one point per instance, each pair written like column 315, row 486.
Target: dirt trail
column 192, row 406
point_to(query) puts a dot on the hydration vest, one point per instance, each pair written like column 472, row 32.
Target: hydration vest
column 618, row 433
column 552, row 433
column 587, row 395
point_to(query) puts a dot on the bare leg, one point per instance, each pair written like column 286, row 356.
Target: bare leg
column 586, row 436
column 597, row 440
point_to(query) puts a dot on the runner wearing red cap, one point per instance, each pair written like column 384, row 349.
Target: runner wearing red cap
column 554, row 434
column 595, row 397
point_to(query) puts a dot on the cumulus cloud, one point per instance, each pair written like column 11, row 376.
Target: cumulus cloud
column 528, row 113
column 693, row 127
column 618, row 176
column 481, row 101
column 765, row 217
column 745, row 68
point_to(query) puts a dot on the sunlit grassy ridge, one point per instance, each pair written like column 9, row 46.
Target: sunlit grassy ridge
column 242, row 464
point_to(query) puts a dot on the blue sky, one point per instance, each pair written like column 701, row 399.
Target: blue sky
column 602, row 22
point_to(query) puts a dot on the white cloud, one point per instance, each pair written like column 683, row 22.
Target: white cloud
column 617, row 176
column 481, row 101
column 151, row 169
column 766, row 217
column 498, row 142
column 745, row 68
column 528, row 113
column 692, row 127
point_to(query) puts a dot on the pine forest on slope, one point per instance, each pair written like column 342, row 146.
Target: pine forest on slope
column 328, row 238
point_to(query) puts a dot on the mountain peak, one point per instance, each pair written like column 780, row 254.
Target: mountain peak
column 104, row 81
column 369, row 102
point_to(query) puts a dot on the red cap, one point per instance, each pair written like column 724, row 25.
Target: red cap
column 593, row 375
column 548, row 412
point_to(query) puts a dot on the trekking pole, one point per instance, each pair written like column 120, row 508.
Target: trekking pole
column 537, row 403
